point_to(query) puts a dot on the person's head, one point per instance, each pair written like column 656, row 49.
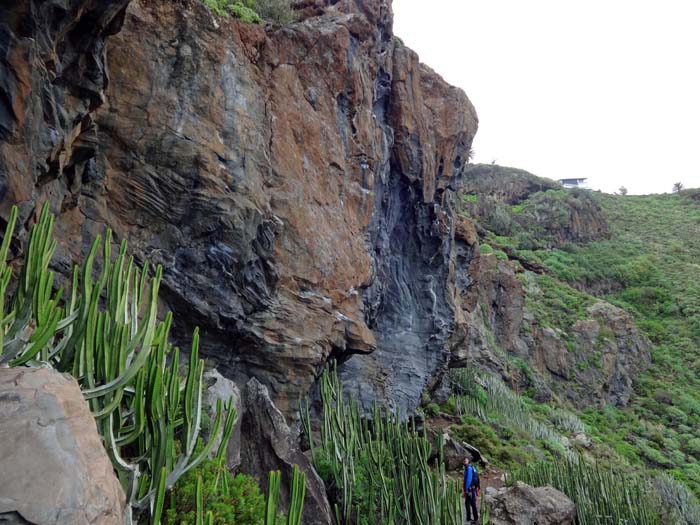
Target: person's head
column 466, row 461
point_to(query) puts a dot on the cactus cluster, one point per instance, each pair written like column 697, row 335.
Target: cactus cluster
column 107, row 335
column 380, row 466
column 489, row 399
column 296, row 498
column 602, row 495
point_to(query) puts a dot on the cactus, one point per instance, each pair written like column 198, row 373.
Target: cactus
column 298, row 491
column 109, row 338
column 273, row 496
column 389, row 457
column 601, row 494
column 29, row 328
column 489, row 399
column 296, row 497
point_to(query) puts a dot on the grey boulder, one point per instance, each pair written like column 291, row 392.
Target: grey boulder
column 54, row 468
column 522, row 504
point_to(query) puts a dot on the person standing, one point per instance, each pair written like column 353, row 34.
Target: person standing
column 470, row 490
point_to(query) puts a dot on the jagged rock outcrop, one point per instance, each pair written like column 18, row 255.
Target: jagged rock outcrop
column 55, row 470
column 591, row 362
column 538, row 212
column 52, row 77
column 296, row 183
column 522, row 504
column 220, row 389
column 267, row 443
column 599, row 360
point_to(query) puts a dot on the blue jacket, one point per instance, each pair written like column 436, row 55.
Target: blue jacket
column 468, row 478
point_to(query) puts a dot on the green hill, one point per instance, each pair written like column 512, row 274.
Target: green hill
column 578, row 252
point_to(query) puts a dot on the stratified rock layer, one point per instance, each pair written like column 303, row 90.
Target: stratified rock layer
column 55, row 470
column 52, row 76
column 295, row 183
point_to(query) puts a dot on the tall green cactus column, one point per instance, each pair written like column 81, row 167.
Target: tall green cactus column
column 107, row 335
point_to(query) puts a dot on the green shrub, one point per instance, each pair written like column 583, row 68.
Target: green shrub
column 432, row 409
column 243, row 9
column 245, row 13
column 501, row 255
column 693, row 447
column 240, row 503
column 279, row 11
column 450, row 406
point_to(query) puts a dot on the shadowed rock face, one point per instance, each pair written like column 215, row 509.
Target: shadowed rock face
column 295, row 183
column 266, row 443
column 408, row 302
column 52, row 76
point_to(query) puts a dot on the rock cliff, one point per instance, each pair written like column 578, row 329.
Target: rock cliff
column 296, row 183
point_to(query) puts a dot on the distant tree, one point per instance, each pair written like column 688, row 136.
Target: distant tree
column 622, row 190
column 677, row 187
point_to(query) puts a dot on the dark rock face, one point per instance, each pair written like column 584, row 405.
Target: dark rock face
column 296, row 184
column 408, row 301
column 267, row 443
column 52, row 76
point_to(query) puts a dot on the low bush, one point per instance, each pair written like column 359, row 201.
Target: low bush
column 243, row 9
column 232, row 499
column 278, row 11
column 253, row 11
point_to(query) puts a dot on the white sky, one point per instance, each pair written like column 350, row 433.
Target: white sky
column 603, row 89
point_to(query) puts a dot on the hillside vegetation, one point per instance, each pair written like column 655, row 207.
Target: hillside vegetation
column 572, row 249
column 650, row 267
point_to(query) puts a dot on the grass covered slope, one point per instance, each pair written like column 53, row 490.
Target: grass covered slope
column 649, row 266
column 578, row 253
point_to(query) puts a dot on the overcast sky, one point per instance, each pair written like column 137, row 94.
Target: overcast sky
column 603, row 89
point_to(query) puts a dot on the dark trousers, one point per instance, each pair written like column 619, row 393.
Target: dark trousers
column 470, row 503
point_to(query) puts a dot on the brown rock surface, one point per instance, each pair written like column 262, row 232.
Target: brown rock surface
column 54, row 467
column 296, row 184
